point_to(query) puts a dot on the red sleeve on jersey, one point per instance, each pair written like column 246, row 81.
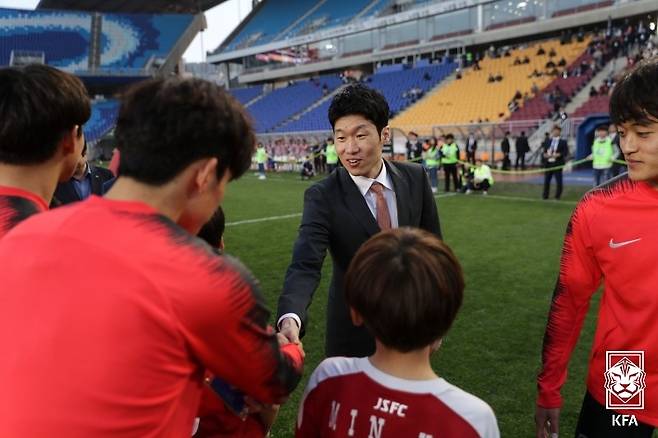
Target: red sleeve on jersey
column 245, row 353
column 579, row 278
column 308, row 425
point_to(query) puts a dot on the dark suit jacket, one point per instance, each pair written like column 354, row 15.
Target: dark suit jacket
column 473, row 147
column 66, row 194
column 522, row 145
column 336, row 217
column 562, row 149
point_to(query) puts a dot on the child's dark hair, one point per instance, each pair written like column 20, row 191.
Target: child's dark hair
column 213, row 230
column 165, row 125
column 635, row 97
column 358, row 99
column 407, row 286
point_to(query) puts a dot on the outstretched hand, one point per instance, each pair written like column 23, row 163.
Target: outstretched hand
column 547, row 422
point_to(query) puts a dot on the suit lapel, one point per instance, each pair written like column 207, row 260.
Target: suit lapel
column 402, row 194
column 356, row 204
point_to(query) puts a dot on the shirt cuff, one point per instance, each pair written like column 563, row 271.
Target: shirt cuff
column 289, row 315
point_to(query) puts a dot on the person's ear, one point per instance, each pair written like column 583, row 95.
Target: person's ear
column 386, row 134
column 69, row 139
column 206, row 175
column 357, row 320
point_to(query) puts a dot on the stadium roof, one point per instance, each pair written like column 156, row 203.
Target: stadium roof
column 130, row 6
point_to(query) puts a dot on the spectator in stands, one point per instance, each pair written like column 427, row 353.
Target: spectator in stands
column 499, row 77
column 482, row 178
column 307, row 169
column 405, row 286
column 517, row 61
column 552, row 53
column 526, row 60
column 427, row 76
column 449, row 160
column 491, row 78
column 42, row 111
column 550, row 64
column 562, row 62
column 522, row 148
column 593, row 92
column 476, row 65
column 555, row 152
column 87, row 180
column 414, row 147
column 365, row 196
column 534, row 89
column 505, row 148
column 518, row 95
column 541, row 51
column 168, row 308
column 471, row 147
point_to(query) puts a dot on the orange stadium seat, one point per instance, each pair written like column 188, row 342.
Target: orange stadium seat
column 472, row 98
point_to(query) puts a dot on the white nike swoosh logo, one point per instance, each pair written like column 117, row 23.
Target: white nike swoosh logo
column 614, row 245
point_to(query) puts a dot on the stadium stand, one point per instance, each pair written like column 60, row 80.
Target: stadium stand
column 246, row 95
column 268, row 22
column 595, row 105
column 283, row 103
column 104, row 115
column 131, row 41
column 472, row 98
column 328, row 14
column 62, row 37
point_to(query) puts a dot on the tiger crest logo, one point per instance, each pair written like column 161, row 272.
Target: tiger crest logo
column 625, row 380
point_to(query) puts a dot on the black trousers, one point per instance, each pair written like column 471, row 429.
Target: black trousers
column 484, row 185
column 470, row 157
column 595, row 421
column 520, row 158
column 448, row 171
column 548, row 175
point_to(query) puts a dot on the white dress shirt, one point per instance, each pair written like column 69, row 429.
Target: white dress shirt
column 363, row 183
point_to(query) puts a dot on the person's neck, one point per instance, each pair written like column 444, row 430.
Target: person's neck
column 376, row 170
column 165, row 199
column 80, row 176
column 414, row 365
column 40, row 179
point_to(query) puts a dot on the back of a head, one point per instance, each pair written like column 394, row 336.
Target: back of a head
column 407, row 286
column 358, row 99
column 635, row 97
column 38, row 106
column 165, row 125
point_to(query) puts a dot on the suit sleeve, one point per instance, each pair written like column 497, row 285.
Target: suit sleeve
column 224, row 323
column 303, row 274
column 579, row 278
column 429, row 218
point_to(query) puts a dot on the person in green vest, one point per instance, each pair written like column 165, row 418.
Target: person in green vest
column 482, row 178
column 433, row 161
column 261, row 160
column 602, row 155
column 449, row 159
column 332, row 155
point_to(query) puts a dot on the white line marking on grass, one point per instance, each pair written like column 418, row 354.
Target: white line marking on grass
column 519, row 198
column 263, row 219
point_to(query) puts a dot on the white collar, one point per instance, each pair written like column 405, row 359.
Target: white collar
column 363, row 182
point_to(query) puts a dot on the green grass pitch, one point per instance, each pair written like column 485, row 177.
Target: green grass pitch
column 509, row 244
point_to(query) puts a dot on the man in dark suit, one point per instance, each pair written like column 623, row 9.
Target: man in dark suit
column 87, row 180
column 414, row 148
column 505, row 148
column 522, row 148
column 341, row 212
column 471, row 148
column 555, row 153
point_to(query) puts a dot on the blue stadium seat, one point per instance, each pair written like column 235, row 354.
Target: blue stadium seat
column 282, row 103
column 63, row 37
column 246, row 95
column 129, row 41
column 103, row 118
column 330, row 14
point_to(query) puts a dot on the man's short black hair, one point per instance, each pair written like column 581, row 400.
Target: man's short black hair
column 38, row 106
column 450, row 137
column 165, row 125
column 407, row 286
column 357, row 99
column 635, row 97
column 213, row 230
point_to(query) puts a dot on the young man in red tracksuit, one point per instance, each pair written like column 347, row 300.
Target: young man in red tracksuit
column 612, row 239
column 112, row 312
column 42, row 111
